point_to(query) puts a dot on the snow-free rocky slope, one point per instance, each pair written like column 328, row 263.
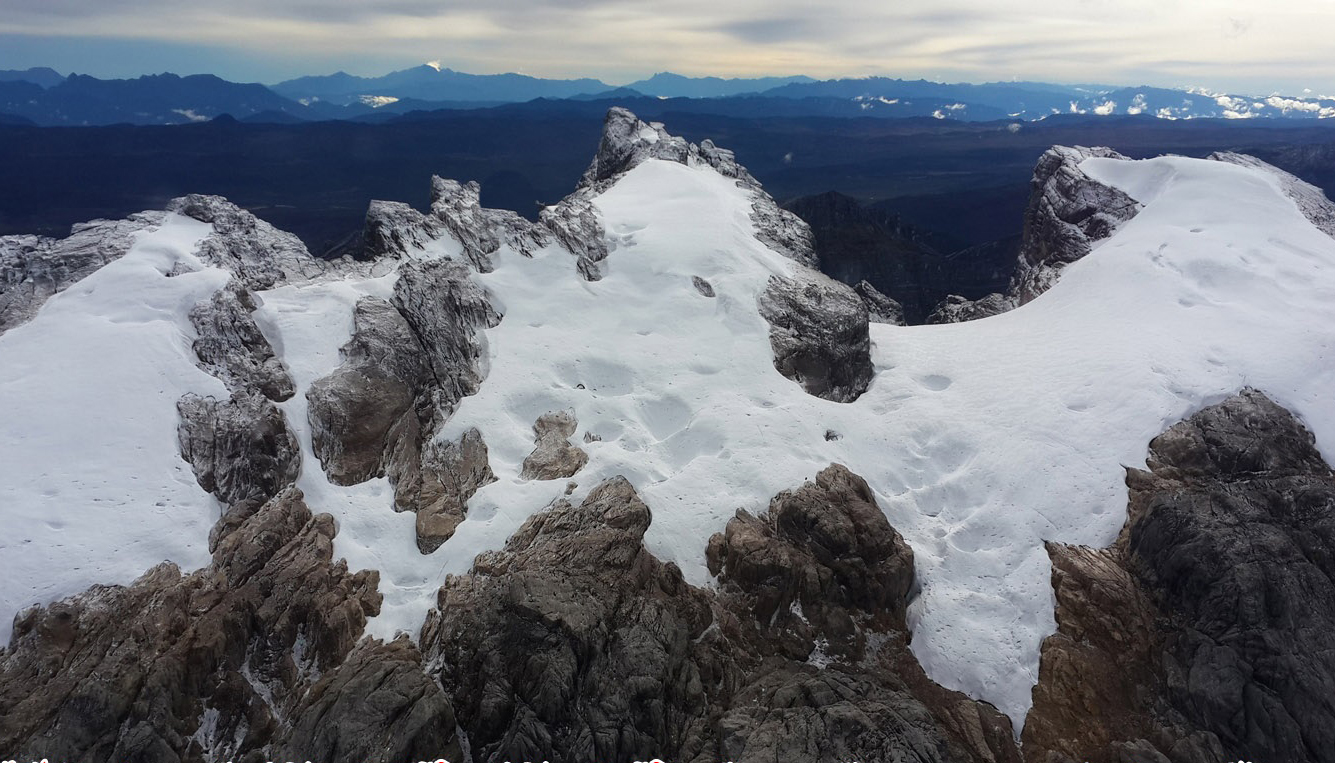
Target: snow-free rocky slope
column 568, row 465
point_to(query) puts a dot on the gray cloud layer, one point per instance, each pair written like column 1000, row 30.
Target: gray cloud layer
column 1223, row 43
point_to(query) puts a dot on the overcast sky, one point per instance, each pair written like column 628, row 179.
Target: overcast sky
column 1236, row 45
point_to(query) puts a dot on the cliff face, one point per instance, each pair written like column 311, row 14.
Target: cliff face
column 1068, row 211
column 1204, row 632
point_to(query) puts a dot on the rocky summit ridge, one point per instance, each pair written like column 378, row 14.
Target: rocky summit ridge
column 1201, row 633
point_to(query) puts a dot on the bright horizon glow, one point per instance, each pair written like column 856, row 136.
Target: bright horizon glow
column 1237, row 46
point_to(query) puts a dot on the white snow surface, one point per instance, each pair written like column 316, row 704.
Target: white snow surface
column 981, row 440
column 92, row 485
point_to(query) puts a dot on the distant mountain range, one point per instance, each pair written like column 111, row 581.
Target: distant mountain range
column 45, row 97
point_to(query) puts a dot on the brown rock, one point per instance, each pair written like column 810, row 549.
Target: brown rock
column 554, row 457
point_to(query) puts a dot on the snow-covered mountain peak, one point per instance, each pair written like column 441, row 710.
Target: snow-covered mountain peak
column 660, row 325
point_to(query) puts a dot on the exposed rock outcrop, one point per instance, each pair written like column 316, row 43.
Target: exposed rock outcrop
column 208, row 666
column 481, row 231
column 956, row 309
column 377, row 705
column 405, row 368
column 450, row 473
column 447, row 311
column 1204, row 633
column 818, row 331
column 627, row 142
column 231, row 347
column 880, row 308
column 260, row 255
column 241, row 449
column 575, row 643
column 393, row 228
column 1068, row 211
column 354, row 410
column 554, row 456
column 33, row 268
column 575, row 225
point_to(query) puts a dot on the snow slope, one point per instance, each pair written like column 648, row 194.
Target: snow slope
column 981, row 439
column 92, row 485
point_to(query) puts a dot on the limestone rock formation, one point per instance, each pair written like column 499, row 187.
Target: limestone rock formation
column 231, row 347
column 1203, row 634
column 481, row 231
column 33, row 268
column 354, row 409
column 957, row 309
column 627, row 142
column 575, row 643
column 818, row 587
column 818, row 331
column 575, row 225
column 376, row 705
column 1068, row 211
column 450, row 473
column 393, row 228
column 554, row 456
column 880, row 308
column 405, row 368
column 241, row 449
column 260, row 255
column 206, row 666
column 447, row 312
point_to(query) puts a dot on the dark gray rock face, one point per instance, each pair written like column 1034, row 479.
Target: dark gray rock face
column 575, row 225
column 207, row 666
column 413, row 359
column 354, row 410
column 241, row 449
column 1068, row 211
column 393, row 228
column 377, row 705
column 447, row 311
column 1213, row 611
column 481, row 231
column 818, row 331
column 818, row 587
column 231, row 347
column 574, row 643
column 406, row 367
column 705, row 288
column 880, row 308
column 33, row 268
column 260, row 255
column 553, row 456
column 956, row 309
